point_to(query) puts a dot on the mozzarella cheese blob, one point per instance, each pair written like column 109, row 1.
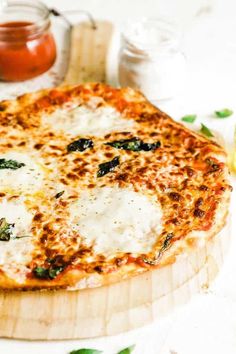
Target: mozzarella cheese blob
column 84, row 121
column 112, row 219
column 16, row 251
column 26, row 178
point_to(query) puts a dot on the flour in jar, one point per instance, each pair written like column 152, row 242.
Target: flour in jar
column 151, row 60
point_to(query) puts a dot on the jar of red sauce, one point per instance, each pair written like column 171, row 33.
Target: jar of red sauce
column 27, row 47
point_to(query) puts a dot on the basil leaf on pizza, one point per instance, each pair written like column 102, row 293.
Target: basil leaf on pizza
column 40, row 272
column 10, row 164
column 80, row 145
column 134, row 144
column 5, row 230
column 48, row 273
column 108, row 166
column 59, row 194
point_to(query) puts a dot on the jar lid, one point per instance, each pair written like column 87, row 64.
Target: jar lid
column 33, row 12
column 151, row 34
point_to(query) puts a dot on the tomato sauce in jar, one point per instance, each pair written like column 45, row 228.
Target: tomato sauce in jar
column 27, row 49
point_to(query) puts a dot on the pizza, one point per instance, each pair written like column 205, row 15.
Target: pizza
column 98, row 185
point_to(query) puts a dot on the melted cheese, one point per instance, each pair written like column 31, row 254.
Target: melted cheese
column 26, row 178
column 16, row 252
column 85, row 120
column 117, row 220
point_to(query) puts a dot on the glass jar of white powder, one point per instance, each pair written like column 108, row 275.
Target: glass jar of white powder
column 151, row 59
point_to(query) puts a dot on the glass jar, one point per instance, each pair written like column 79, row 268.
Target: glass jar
column 150, row 58
column 27, row 47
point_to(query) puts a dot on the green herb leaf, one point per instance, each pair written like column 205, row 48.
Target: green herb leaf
column 17, row 237
column 59, row 194
column 80, row 145
column 10, row 164
column 150, row 146
column 85, row 351
column 127, row 350
column 5, row 230
column 40, row 272
column 189, row 118
column 166, row 244
column 47, row 273
column 224, row 113
column 134, row 144
column 54, row 271
column 109, row 166
column 206, row 131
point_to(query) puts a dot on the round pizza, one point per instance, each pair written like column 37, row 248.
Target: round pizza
column 97, row 185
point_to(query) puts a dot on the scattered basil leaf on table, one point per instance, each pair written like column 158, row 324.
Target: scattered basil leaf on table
column 189, row 118
column 206, row 131
column 5, row 230
column 85, row 351
column 10, row 164
column 224, row 113
column 109, row 166
column 127, row 350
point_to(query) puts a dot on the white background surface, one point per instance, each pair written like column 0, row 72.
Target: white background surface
column 207, row 325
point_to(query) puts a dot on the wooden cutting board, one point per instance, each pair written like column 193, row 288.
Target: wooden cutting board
column 89, row 52
column 119, row 307
column 111, row 309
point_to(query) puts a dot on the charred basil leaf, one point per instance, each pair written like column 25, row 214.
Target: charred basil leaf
column 85, row 351
column 149, row 261
column 10, row 164
column 5, row 230
column 109, row 166
column 213, row 165
column 40, row 272
column 166, row 242
column 150, row 146
column 127, row 350
column 47, row 273
column 80, row 145
column 59, row 194
column 165, row 245
column 134, row 144
column 54, row 271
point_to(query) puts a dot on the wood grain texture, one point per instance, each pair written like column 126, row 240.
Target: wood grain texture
column 88, row 54
column 112, row 309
